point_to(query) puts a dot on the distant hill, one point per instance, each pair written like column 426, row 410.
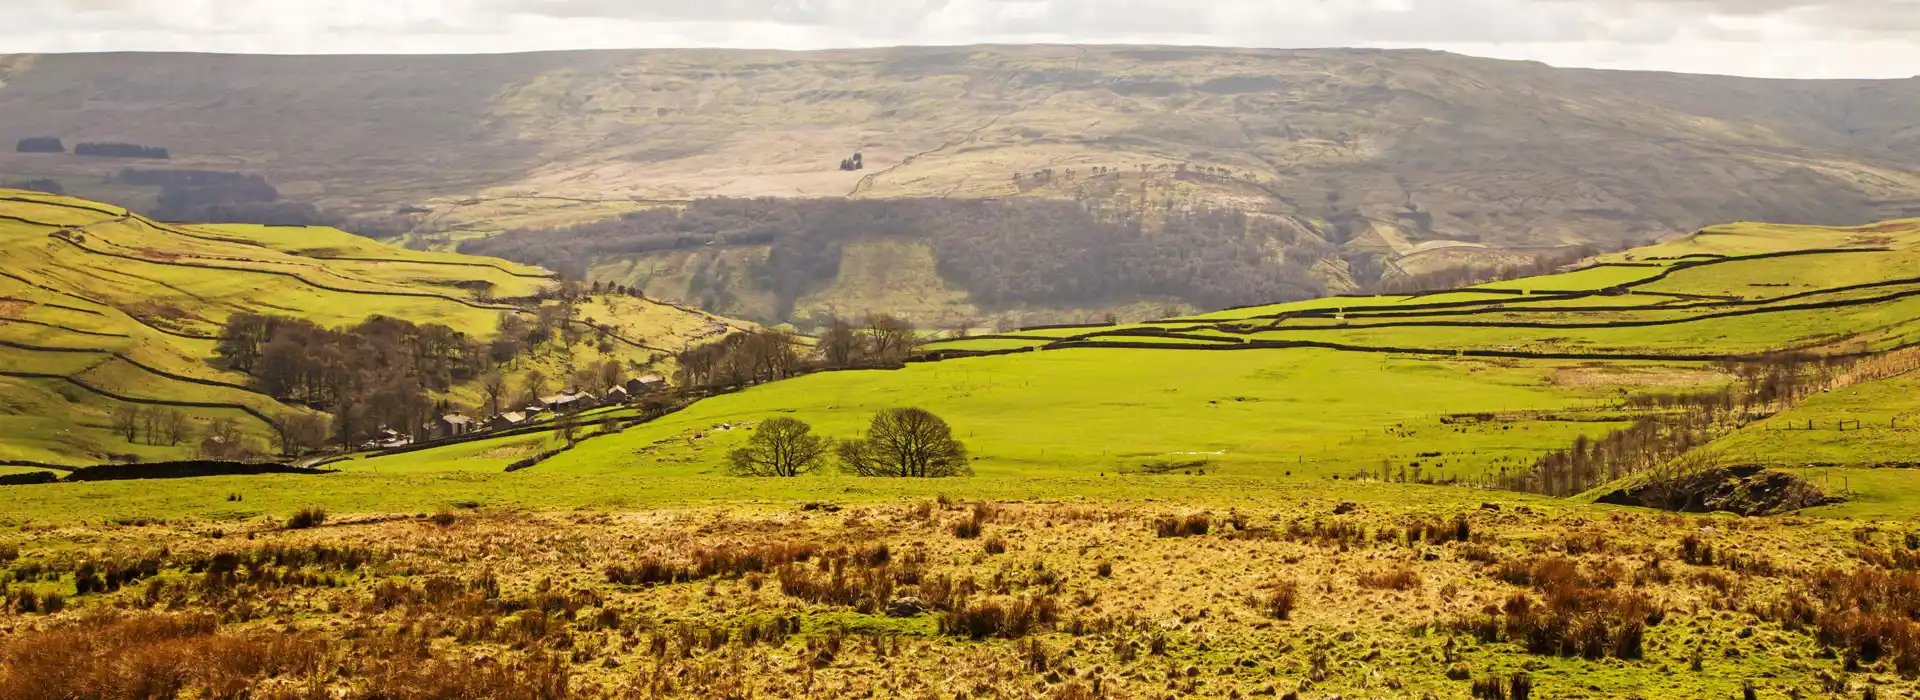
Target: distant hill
column 1400, row 160
column 104, row 311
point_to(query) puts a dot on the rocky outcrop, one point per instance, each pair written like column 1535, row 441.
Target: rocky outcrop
column 1744, row 490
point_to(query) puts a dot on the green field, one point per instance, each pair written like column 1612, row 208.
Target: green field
column 118, row 309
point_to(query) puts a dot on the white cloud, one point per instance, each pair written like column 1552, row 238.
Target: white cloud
column 1785, row 38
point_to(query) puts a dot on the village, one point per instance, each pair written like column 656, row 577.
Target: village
column 452, row 427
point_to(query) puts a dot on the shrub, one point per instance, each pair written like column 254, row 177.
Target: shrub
column 967, row 529
column 996, row 546
column 1574, row 621
column 1009, row 620
column 1192, row 525
column 304, row 518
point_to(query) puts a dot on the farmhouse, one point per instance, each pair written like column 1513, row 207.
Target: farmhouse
column 568, row 402
column 453, row 425
column 616, row 395
column 510, row 419
column 643, row 385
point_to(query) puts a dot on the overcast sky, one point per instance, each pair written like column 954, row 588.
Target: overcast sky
column 1775, row 38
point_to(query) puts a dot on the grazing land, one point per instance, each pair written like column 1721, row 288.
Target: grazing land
column 103, row 309
column 1361, row 496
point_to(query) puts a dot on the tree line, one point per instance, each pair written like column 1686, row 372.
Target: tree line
column 47, row 185
column 1470, row 275
column 116, row 149
column 220, row 197
column 223, row 438
column 746, row 358
column 40, row 144
column 1003, row 252
column 1675, row 424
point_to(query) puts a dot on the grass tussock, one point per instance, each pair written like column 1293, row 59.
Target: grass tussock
column 1396, row 579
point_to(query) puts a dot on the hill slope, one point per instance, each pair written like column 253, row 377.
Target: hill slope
column 1424, row 158
column 102, row 308
column 1474, row 386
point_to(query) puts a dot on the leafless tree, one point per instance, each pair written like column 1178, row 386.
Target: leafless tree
column 173, row 426
column 127, row 419
column 494, row 385
column 300, row 432
column 906, row 442
column 779, row 447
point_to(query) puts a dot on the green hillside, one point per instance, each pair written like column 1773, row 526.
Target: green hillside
column 1469, row 386
column 101, row 307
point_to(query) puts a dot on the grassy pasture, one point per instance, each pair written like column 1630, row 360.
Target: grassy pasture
column 145, row 299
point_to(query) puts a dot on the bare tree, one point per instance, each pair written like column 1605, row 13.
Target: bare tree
column 890, row 338
column 300, row 432
column 494, row 385
column 127, row 419
column 839, row 345
column 906, row 442
column 173, row 426
column 533, row 387
column 779, row 447
column 609, row 371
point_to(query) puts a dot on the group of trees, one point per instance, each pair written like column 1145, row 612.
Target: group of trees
column 1467, row 276
column 41, row 144
column 367, row 376
column 170, row 427
column 1004, row 252
column 47, row 185
column 213, row 196
column 758, row 356
column 854, row 163
column 115, row 149
column 900, row 442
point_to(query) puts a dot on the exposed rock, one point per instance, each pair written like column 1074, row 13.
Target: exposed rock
column 905, row 607
column 1744, row 490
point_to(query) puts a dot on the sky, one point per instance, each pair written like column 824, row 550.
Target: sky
column 1765, row 38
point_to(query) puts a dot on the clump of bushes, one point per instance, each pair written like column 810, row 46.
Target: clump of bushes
column 311, row 516
column 1190, row 526
column 1011, row 619
column 1591, row 623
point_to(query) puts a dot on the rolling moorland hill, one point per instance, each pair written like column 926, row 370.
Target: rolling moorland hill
column 102, row 309
column 1382, row 162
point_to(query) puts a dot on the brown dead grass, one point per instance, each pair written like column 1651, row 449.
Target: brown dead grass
column 1083, row 601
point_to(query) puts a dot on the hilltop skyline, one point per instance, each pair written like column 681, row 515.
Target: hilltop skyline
column 1772, row 38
